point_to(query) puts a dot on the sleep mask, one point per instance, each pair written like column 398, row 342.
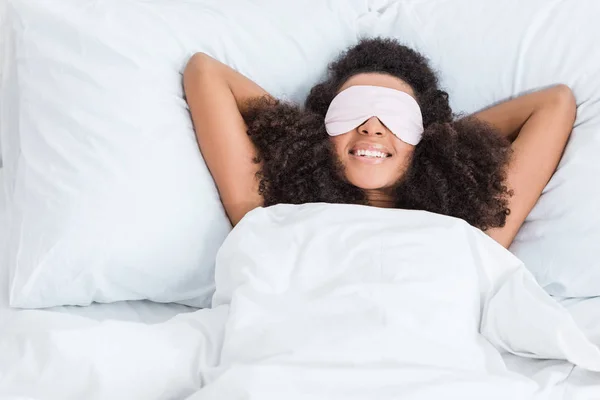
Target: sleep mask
column 397, row 110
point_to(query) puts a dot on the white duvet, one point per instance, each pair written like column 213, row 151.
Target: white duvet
column 322, row 302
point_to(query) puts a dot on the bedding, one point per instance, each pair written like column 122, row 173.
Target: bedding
column 560, row 380
column 302, row 292
column 263, row 338
column 488, row 51
column 95, row 352
column 109, row 197
column 2, row 40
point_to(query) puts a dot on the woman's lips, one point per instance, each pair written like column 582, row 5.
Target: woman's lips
column 369, row 147
column 369, row 153
column 368, row 160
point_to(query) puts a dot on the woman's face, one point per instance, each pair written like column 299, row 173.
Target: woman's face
column 373, row 158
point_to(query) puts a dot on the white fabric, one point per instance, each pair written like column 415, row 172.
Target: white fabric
column 3, row 225
column 487, row 51
column 125, row 350
column 334, row 301
column 103, row 351
column 3, row 4
column 109, row 198
column 558, row 380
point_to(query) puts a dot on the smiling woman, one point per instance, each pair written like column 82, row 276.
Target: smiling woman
column 262, row 151
column 456, row 168
column 434, row 163
column 366, row 119
column 378, row 131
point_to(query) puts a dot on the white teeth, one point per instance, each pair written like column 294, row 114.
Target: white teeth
column 370, row 153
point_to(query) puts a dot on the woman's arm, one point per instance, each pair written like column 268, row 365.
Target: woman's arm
column 215, row 93
column 539, row 125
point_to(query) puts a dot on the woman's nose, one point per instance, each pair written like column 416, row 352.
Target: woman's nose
column 372, row 126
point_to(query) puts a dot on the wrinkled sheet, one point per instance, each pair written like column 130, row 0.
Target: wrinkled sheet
column 560, row 380
column 282, row 329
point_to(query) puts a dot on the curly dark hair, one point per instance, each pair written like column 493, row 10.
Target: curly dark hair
column 457, row 169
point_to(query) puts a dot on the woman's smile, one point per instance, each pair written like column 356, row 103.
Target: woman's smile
column 369, row 153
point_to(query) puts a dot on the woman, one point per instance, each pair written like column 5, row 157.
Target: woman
column 378, row 131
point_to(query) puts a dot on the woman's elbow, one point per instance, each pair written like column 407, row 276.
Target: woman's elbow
column 198, row 65
column 559, row 109
column 564, row 99
column 197, row 61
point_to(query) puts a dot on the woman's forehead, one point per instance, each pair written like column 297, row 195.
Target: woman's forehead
column 378, row 79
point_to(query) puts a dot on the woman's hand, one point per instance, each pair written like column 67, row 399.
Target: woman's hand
column 215, row 93
column 539, row 125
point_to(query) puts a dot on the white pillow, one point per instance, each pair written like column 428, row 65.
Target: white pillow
column 488, row 51
column 3, row 4
column 109, row 198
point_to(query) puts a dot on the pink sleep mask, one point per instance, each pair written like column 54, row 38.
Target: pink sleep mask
column 397, row 110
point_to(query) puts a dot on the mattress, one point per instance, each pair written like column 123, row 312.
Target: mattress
column 557, row 380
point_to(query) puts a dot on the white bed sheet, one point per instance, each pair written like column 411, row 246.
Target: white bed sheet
column 559, row 380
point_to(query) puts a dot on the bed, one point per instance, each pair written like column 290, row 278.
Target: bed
column 104, row 334
column 110, row 344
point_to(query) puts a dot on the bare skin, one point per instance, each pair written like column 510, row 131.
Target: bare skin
column 215, row 94
column 376, row 176
column 538, row 124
